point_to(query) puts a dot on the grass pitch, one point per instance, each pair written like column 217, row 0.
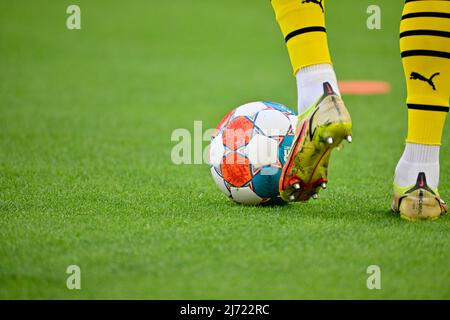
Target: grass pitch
column 86, row 178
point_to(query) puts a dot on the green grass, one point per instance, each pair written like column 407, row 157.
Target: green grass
column 86, row 177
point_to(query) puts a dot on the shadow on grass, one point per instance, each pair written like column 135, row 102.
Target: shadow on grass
column 375, row 212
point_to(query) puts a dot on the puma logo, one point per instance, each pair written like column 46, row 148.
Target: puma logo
column 418, row 76
column 319, row 2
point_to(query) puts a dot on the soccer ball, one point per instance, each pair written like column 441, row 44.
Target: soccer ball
column 248, row 150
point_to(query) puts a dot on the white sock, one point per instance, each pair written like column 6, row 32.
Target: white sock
column 310, row 81
column 418, row 158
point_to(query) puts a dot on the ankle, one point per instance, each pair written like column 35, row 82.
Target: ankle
column 310, row 81
column 418, row 158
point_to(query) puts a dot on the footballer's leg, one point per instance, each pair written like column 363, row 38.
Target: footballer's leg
column 425, row 51
column 323, row 120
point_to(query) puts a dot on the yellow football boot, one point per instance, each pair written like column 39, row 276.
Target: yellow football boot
column 418, row 201
column 320, row 129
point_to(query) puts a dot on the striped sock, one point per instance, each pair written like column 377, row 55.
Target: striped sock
column 425, row 52
column 303, row 26
column 302, row 23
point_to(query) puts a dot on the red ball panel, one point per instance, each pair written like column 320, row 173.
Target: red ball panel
column 237, row 133
column 236, row 169
column 222, row 122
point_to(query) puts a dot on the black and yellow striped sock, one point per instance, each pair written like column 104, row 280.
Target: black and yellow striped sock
column 302, row 23
column 425, row 51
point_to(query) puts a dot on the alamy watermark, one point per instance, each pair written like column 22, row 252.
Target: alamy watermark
column 73, row 21
column 228, row 146
column 373, row 22
column 73, row 281
column 189, row 149
column 374, row 279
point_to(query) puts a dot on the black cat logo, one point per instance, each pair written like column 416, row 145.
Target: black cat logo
column 418, row 76
column 319, row 2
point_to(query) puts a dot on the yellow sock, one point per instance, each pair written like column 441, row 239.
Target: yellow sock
column 302, row 23
column 425, row 51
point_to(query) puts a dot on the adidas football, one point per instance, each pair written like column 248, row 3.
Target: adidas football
column 248, row 150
